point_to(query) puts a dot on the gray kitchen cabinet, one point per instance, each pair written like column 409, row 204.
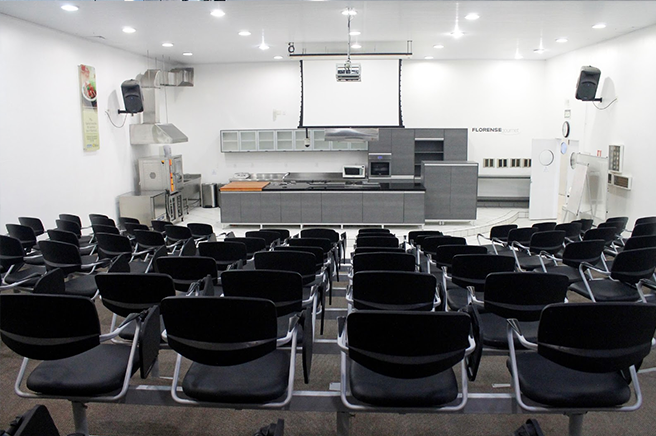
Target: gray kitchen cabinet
column 231, row 207
column 384, row 143
column 413, row 207
column 251, row 209
column 270, row 206
column 455, row 144
column 437, row 181
column 384, row 207
column 331, row 207
column 310, row 207
column 403, row 152
column 464, row 192
column 290, row 207
column 451, row 190
column 429, row 133
column 351, row 207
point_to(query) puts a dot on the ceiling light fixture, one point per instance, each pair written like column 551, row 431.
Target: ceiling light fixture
column 70, row 8
column 599, row 26
column 438, row 46
column 356, row 45
column 244, row 33
column 167, row 44
column 187, row 53
column 263, row 46
column 277, row 57
column 217, row 13
column 472, row 16
column 128, row 29
column 539, row 50
column 428, row 57
column 350, row 12
column 561, row 40
column 355, row 33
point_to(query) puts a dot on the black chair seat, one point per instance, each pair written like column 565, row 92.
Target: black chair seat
column 569, row 388
column 84, row 286
column 457, row 297
column 258, row 381
column 607, row 290
column 34, row 260
column 495, row 330
column 572, row 274
column 98, row 371
column 25, row 273
column 374, row 388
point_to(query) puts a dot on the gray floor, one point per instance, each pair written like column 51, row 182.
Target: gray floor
column 120, row 419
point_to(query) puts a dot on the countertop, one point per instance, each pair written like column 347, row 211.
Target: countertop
column 360, row 185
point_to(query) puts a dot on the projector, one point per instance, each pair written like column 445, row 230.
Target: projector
column 348, row 72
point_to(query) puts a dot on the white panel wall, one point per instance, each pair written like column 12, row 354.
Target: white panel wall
column 627, row 67
column 43, row 168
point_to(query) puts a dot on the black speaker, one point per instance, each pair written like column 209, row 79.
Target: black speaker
column 132, row 97
column 587, row 85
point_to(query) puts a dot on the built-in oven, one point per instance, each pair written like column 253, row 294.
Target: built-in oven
column 380, row 164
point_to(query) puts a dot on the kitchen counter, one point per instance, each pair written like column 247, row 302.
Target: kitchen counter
column 341, row 185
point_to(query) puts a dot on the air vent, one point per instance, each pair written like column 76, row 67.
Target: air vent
column 488, row 163
column 502, row 163
column 515, row 163
column 526, row 163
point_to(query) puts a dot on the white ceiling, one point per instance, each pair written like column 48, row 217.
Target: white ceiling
column 504, row 27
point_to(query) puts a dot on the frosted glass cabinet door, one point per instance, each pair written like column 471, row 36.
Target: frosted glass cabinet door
column 284, row 140
column 318, row 140
column 299, row 140
column 248, row 141
column 229, row 141
column 266, row 140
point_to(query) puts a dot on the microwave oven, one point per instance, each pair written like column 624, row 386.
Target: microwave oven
column 380, row 164
column 354, row 172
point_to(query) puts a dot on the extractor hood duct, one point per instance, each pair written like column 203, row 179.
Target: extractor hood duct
column 351, row 135
column 151, row 131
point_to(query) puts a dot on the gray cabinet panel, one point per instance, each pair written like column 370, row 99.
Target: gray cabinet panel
column 455, row 144
column 437, row 181
column 290, row 207
column 310, row 207
column 351, row 207
column 331, row 207
column 382, row 207
column 403, row 151
column 429, row 133
column 230, row 207
column 464, row 192
column 413, row 207
column 270, row 203
column 384, row 143
column 251, row 210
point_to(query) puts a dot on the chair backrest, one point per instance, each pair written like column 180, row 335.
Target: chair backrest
column 329, row 234
column 550, row 241
column 149, row 239
column 640, row 242
column 11, row 251
column 229, row 251
column 583, row 251
column 69, row 226
column 617, row 226
column 61, row 255
column 126, row 219
column 200, row 230
column 586, row 224
column 415, row 237
column 131, row 227
column 545, row 226
column 407, row 344
column 619, row 221
column 642, row 220
column 111, row 245
column 226, row 331
column 324, row 243
column 572, row 230
column 252, row 244
column 284, row 288
column 283, row 234
column 500, row 232
column 316, row 251
column 177, row 233
column 189, row 248
column 644, row 229
column 301, row 262
column 359, row 250
column 93, row 216
column 633, row 265
column 101, row 228
column 599, row 337
column 160, row 225
column 268, row 236
column 374, row 231
column 70, row 217
column 63, row 236
column 605, row 233
column 521, row 235
column 443, row 255
column 52, row 282
column 430, row 244
column 472, row 269
column 523, row 295
column 34, row 223
column 186, row 270
column 24, row 234
column 393, row 290
column 101, row 219
column 126, row 293
column 31, row 325
column 377, row 241
column 379, row 261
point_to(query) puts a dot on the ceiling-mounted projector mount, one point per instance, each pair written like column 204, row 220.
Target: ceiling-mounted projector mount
column 348, row 72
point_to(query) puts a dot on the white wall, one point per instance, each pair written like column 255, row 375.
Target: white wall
column 627, row 67
column 43, row 168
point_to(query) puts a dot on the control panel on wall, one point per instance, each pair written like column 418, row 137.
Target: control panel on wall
column 615, row 158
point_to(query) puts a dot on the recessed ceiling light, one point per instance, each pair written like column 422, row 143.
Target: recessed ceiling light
column 539, row 50
column 217, row 13
column 167, row 44
column 356, row 45
column 354, row 33
column 599, row 26
column 561, row 40
column 128, row 29
column 349, row 12
column 438, row 46
column 473, row 16
column 518, row 56
column 277, row 57
column 70, row 8
column 457, row 34
column 429, row 57
column 187, row 53
column 244, row 33
column 263, row 46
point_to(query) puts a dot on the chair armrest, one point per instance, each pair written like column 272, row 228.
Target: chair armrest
column 584, row 266
column 513, row 325
column 479, row 236
column 342, row 341
column 472, row 297
column 519, row 245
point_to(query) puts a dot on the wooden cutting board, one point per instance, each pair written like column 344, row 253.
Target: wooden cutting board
column 243, row 186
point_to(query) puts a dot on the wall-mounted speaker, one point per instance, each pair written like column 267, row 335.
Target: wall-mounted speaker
column 132, row 97
column 586, row 87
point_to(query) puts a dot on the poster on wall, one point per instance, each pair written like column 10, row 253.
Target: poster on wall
column 90, row 135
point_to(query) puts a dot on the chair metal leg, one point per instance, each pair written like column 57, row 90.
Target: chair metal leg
column 575, row 424
column 80, row 418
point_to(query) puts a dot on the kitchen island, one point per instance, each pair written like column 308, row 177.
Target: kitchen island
column 331, row 201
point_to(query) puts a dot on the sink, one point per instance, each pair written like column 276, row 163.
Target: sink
column 263, row 177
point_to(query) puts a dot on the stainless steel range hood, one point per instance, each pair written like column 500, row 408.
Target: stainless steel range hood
column 151, row 131
column 351, row 134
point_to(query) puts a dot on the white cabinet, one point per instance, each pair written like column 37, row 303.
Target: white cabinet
column 229, row 141
column 248, row 140
column 283, row 140
column 266, row 140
